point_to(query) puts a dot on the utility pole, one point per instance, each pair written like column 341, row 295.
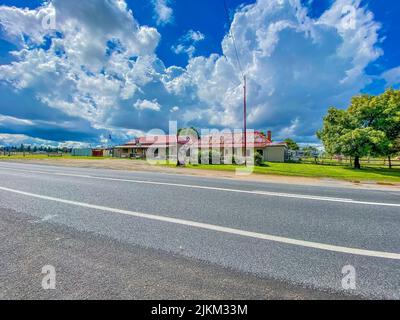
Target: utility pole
column 244, row 80
column 245, row 118
column 177, row 150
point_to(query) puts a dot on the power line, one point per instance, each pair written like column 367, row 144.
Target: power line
column 233, row 38
column 244, row 83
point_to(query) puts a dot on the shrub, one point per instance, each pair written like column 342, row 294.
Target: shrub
column 258, row 159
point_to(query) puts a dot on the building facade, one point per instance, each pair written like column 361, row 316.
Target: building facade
column 223, row 143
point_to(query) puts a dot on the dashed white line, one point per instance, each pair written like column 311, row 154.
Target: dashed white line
column 205, row 226
column 254, row 192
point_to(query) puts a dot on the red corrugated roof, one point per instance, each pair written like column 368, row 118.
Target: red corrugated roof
column 256, row 140
column 227, row 140
column 160, row 140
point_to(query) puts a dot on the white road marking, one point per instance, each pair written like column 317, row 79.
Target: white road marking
column 199, row 225
column 262, row 193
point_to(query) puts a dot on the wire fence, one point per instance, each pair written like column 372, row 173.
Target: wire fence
column 345, row 161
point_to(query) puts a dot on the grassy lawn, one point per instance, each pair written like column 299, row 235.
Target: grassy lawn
column 382, row 175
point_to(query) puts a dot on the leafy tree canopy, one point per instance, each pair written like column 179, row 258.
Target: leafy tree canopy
column 292, row 145
column 189, row 131
column 370, row 127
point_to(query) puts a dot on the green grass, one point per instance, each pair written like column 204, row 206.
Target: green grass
column 382, row 175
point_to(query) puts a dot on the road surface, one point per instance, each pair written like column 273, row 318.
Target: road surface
column 140, row 235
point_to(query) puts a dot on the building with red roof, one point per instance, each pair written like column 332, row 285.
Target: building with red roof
column 223, row 142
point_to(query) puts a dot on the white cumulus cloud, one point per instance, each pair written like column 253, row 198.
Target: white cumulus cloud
column 392, row 76
column 187, row 43
column 148, row 105
column 296, row 66
column 101, row 67
column 163, row 12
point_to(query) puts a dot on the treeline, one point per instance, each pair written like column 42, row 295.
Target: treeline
column 33, row 149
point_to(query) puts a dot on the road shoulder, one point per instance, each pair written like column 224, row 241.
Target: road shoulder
column 90, row 266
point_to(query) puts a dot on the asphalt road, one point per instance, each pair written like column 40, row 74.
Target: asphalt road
column 136, row 235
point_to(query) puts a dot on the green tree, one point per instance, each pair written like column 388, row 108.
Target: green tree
column 292, row 145
column 347, row 133
column 188, row 131
column 381, row 113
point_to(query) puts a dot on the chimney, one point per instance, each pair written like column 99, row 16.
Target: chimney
column 270, row 136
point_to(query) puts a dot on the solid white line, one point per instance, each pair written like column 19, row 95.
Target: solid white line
column 199, row 225
column 262, row 193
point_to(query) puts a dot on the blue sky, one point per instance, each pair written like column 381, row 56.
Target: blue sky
column 106, row 68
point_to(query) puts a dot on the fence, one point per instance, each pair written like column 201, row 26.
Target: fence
column 366, row 162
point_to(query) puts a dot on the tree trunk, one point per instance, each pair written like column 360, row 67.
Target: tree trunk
column 357, row 164
column 390, row 162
